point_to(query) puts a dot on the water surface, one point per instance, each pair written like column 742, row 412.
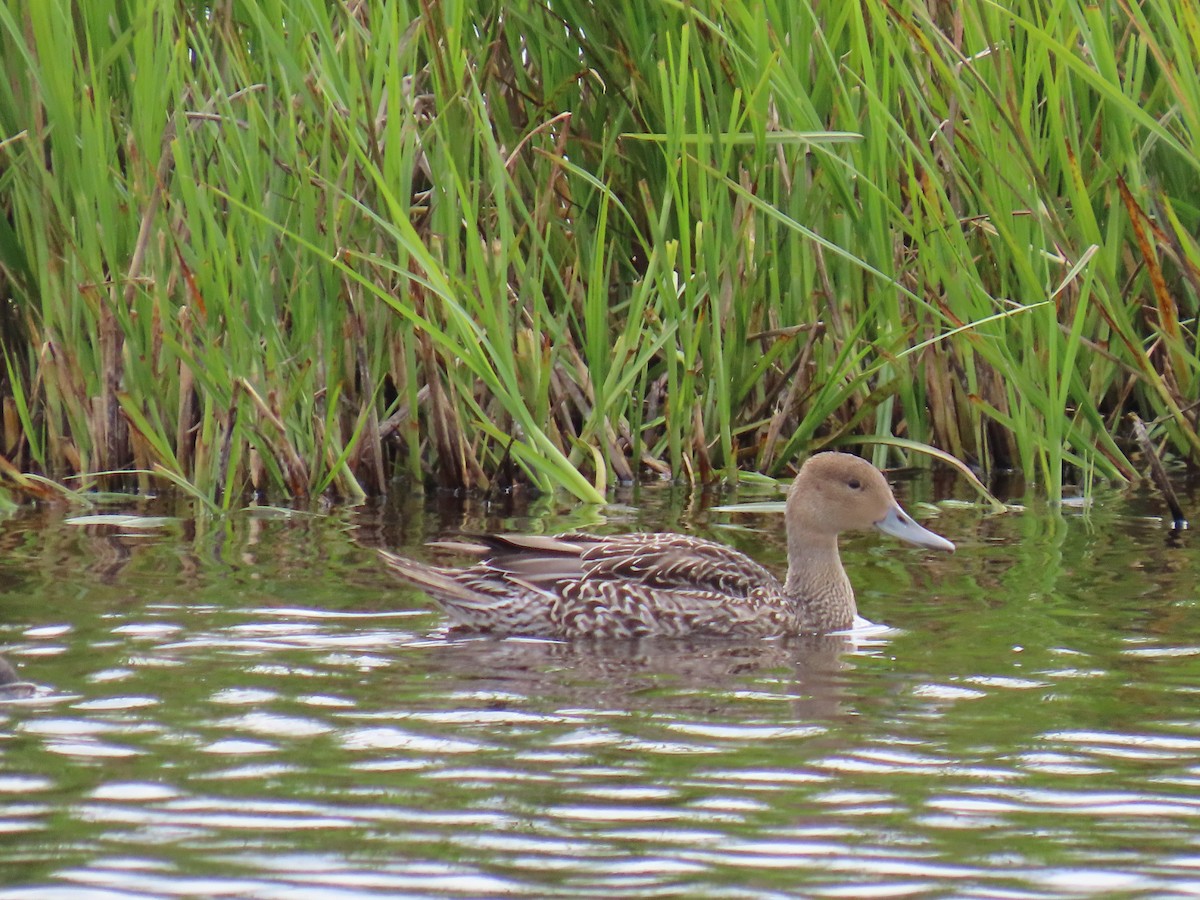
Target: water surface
column 253, row 707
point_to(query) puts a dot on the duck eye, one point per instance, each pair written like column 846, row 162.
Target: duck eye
column 854, row 484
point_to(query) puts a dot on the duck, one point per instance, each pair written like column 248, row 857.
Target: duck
column 579, row 585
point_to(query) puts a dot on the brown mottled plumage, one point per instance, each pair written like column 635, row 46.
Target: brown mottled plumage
column 628, row 585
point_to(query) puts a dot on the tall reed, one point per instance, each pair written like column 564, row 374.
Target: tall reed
column 306, row 247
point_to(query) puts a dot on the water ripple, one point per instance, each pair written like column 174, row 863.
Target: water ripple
column 275, row 720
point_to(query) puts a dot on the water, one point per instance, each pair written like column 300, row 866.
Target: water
column 254, row 708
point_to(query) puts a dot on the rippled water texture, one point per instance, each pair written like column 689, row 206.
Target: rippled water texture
column 254, row 708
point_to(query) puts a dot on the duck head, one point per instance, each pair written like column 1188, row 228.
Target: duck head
column 836, row 492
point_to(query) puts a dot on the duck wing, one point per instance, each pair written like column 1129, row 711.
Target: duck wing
column 666, row 562
column 658, row 561
column 670, row 584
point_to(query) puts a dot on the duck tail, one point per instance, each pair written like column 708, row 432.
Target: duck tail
column 437, row 582
column 479, row 598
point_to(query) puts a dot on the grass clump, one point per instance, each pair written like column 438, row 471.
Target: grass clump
column 305, row 247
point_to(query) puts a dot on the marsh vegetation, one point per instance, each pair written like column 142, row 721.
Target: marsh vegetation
column 308, row 247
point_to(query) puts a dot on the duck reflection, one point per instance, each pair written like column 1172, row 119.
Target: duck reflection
column 813, row 674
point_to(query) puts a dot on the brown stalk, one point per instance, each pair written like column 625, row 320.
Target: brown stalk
column 109, row 436
column 143, row 452
column 295, row 472
column 616, row 456
column 450, row 473
column 1157, row 473
column 257, row 469
column 1168, row 311
column 367, row 460
column 1001, row 441
column 228, row 425
column 565, row 394
column 797, row 381
column 939, row 391
column 700, row 445
column 185, row 427
column 389, row 426
column 12, row 425
column 59, row 385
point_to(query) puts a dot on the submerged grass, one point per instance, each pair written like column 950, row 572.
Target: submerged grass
column 305, row 247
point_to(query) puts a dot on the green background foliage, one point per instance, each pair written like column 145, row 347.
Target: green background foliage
column 307, row 246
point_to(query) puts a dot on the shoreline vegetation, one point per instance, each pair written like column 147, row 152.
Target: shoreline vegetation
column 307, row 247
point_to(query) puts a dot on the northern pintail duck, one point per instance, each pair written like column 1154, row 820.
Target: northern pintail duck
column 627, row 585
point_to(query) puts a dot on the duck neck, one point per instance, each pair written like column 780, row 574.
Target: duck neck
column 818, row 585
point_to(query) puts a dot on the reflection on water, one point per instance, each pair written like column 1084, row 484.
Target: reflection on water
column 254, row 708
